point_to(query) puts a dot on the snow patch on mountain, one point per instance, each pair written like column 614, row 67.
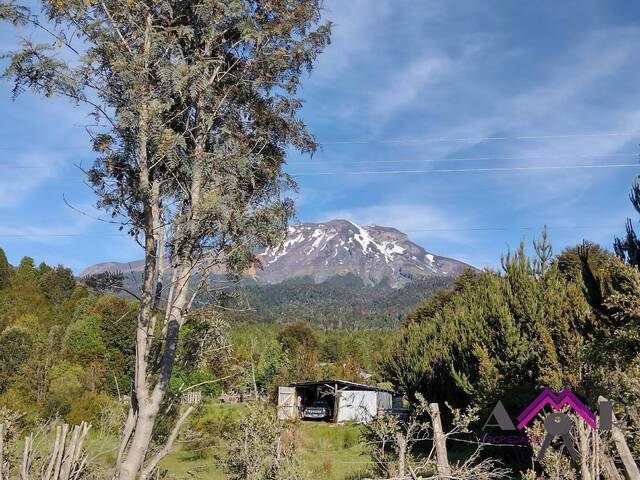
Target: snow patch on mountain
column 337, row 247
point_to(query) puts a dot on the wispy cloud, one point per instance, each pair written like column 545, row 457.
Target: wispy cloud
column 23, row 173
column 419, row 221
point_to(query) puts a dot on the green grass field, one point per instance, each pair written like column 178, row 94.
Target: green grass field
column 328, row 451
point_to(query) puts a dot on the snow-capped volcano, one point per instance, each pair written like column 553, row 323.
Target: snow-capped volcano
column 338, row 247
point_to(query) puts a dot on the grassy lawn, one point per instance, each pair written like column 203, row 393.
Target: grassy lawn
column 331, row 452
column 327, row 451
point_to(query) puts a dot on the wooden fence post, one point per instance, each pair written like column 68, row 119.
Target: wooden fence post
column 401, row 441
column 633, row 473
column 27, row 457
column 586, row 461
column 440, row 441
column 1, row 451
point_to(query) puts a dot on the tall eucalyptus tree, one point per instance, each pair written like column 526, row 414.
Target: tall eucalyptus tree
column 197, row 102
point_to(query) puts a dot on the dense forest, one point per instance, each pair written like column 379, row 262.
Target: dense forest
column 341, row 301
column 68, row 351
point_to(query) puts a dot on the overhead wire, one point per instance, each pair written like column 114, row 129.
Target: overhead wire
column 435, row 170
column 421, row 230
column 459, row 159
column 469, row 170
column 429, row 139
column 482, row 139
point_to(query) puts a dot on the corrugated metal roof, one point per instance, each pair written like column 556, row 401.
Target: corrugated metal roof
column 341, row 384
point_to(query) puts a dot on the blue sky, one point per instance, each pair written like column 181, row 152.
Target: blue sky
column 407, row 85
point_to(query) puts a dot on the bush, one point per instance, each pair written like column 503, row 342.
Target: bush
column 66, row 386
column 258, row 449
column 15, row 348
column 207, row 430
column 82, row 341
column 88, row 408
column 57, row 284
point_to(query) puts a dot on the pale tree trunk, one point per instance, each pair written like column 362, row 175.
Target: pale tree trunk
column 145, row 403
column 152, row 465
column 147, row 399
column 149, row 403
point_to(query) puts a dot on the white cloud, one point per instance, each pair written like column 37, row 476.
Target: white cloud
column 573, row 96
column 407, row 85
column 356, row 25
column 418, row 221
column 19, row 180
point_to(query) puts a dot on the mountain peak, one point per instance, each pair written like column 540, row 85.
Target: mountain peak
column 337, row 247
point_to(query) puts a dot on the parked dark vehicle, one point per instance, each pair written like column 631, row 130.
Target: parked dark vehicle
column 318, row 410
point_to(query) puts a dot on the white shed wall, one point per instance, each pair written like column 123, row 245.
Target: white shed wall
column 357, row 406
column 385, row 401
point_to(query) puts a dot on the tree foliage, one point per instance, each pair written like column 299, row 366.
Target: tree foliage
column 497, row 336
column 569, row 321
column 628, row 247
column 5, row 271
column 82, row 342
column 15, row 348
column 57, row 283
column 197, row 103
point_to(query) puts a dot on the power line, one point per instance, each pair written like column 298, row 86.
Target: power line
column 397, row 172
column 483, row 139
column 60, row 235
column 435, row 170
column 482, row 229
column 422, row 230
column 458, row 159
column 469, row 170
column 429, row 160
column 424, row 140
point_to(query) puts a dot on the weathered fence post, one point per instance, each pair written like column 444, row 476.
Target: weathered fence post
column 440, row 441
column 27, row 457
column 1, row 451
column 633, row 473
column 401, row 441
column 609, row 469
column 586, row 460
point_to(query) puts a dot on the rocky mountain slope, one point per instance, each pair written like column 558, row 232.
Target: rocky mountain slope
column 372, row 253
column 319, row 251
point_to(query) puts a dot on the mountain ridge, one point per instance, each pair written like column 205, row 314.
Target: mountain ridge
column 338, row 247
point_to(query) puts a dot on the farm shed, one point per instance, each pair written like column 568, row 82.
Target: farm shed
column 348, row 401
